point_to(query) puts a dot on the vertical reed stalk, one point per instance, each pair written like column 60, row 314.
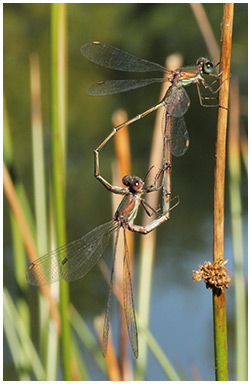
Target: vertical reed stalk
column 219, row 304
column 123, row 167
column 234, row 162
column 58, row 97
column 38, row 155
column 148, row 243
column 48, row 338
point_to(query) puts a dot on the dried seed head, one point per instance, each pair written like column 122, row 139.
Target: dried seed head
column 215, row 275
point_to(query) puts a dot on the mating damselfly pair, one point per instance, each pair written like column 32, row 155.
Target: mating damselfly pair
column 74, row 260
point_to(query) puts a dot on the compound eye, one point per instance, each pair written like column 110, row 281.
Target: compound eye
column 137, row 184
column 208, row 67
column 201, row 61
column 127, row 180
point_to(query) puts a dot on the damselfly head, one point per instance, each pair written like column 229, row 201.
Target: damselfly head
column 206, row 65
column 135, row 184
column 127, row 180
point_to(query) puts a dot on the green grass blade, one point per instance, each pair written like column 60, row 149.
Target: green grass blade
column 7, row 142
column 48, row 339
column 89, row 341
column 13, row 342
column 12, row 317
column 241, row 362
column 58, row 92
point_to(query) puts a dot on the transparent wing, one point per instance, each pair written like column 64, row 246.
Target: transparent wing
column 110, row 87
column 177, row 101
column 176, row 134
column 179, row 136
column 114, row 58
column 128, row 301
column 71, row 261
column 109, row 302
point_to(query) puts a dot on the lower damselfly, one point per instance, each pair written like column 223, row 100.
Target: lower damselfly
column 74, row 260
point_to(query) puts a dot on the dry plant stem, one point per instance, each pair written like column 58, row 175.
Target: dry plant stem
column 206, row 30
column 123, row 167
column 219, row 187
column 27, row 237
column 113, row 368
column 219, row 305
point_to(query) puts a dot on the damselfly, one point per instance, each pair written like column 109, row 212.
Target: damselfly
column 175, row 101
column 74, row 260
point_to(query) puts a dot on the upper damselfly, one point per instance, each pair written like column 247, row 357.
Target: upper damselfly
column 176, row 101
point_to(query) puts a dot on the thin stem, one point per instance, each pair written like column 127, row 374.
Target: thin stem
column 206, row 30
column 234, row 163
column 58, row 76
column 123, row 167
column 219, row 304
